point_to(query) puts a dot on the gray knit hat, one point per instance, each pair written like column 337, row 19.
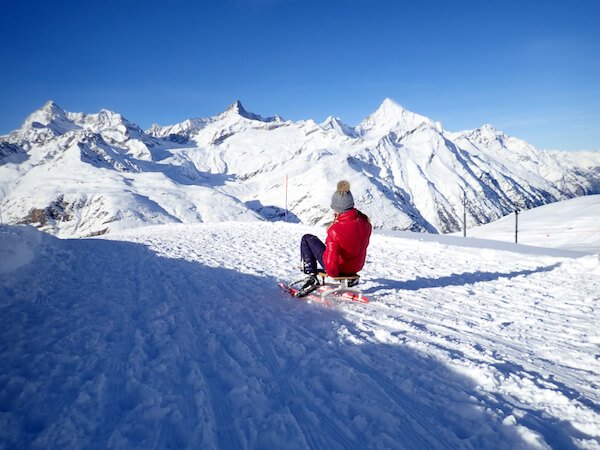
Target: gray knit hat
column 342, row 200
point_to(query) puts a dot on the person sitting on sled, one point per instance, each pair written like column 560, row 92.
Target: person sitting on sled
column 345, row 248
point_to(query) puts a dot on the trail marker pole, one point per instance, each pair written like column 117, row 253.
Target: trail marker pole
column 3, row 195
column 464, row 214
column 516, row 225
column 286, row 196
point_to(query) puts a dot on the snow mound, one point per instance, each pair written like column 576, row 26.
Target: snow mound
column 18, row 247
column 586, row 264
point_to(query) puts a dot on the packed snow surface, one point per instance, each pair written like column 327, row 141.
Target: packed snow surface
column 177, row 336
column 572, row 224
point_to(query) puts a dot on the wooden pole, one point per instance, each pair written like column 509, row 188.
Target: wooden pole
column 286, row 196
column 464, row 214
column 3, row 195
column 516, row 225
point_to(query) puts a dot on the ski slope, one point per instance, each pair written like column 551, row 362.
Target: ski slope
column 177, row 336
column 569, row 224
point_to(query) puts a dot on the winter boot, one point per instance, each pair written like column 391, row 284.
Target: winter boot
column 309, row 285
column 352, row 283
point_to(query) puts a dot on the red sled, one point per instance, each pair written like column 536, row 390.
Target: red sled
column 331, row 290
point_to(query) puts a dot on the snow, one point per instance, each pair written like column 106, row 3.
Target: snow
column 571, row 224
column 177, row 336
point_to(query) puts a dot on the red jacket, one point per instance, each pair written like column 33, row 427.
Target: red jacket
column 346, row 243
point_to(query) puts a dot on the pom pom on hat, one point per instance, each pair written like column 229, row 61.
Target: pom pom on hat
column 343, row 187
column 342, row 200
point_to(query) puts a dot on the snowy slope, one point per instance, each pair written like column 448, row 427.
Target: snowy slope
column 75, row 174
column 176, row 336
column 571, row 224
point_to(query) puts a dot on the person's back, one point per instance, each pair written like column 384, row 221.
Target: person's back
column 348, row 236
column 346, row 244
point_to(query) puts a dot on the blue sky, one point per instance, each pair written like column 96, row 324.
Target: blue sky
column 530, row 68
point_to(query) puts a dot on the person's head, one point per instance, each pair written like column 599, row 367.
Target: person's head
column 342, row 200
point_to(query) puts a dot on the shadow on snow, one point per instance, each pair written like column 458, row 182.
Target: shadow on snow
column 458, row 279
column 272, row 213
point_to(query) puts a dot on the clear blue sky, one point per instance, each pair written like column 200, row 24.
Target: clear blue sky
column 530, row 68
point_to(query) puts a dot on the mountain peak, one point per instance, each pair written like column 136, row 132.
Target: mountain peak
column 52, row 106
column 236, row 108
column 390, row 116
column 48, row 112
column 489, row 132
column 331, row 119
column 389, row 103
column 50, row 116
column 486, row 131
column 389, row 108
column 108, row 117
column 335, row 123
column 489, row 127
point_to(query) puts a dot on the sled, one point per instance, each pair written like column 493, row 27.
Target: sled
column 331, row 289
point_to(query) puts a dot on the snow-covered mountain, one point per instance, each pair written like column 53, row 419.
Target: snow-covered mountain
column 77, row 174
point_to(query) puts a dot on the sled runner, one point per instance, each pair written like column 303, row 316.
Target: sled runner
column 330, row 290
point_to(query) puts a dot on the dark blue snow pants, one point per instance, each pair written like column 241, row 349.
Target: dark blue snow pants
column 311, row 250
